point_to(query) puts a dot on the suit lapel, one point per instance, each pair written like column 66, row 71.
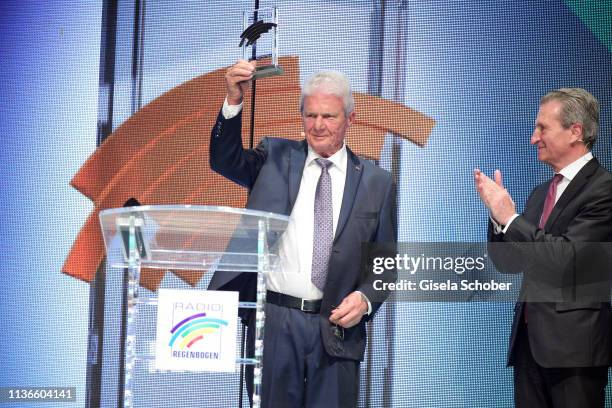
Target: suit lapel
column 572, row 189
column 296, row 168
column 354, row 169
column 535, row 206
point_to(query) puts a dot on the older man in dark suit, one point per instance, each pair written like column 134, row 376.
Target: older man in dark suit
column 318, row 303
column 560, row 350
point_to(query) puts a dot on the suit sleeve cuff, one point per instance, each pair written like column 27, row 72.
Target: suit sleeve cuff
column 364, row 297
column 501, row 229
column 497, row 229
column 230, row 111
column 505, row 229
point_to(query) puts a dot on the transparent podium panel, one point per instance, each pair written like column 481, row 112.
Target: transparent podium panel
column 160, row 250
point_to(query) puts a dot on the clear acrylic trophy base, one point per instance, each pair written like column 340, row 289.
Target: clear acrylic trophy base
column 267, row 71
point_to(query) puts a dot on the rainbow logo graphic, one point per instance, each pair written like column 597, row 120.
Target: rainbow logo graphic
column 192, row 329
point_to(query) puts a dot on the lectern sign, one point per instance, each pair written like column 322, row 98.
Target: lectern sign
column 196, row 330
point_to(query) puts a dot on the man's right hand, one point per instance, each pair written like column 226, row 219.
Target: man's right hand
column 238, row 79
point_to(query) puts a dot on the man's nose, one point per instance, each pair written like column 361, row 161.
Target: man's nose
column 319, row 123
column 535, row 137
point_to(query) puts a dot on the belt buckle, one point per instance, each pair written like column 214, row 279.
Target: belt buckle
column 302, row 307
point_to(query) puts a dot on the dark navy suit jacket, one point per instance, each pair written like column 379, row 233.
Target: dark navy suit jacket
column 574, row 332
column 272, row 172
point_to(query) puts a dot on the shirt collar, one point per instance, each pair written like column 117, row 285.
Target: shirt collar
column 570, row 171
column 338, row 159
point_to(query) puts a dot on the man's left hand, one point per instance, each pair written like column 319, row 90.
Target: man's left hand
column 350, row 311
column 495, row 196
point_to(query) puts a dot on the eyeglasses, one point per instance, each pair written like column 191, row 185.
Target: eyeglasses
column 338, row 331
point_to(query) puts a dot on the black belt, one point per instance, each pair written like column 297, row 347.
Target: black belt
column 307, row 306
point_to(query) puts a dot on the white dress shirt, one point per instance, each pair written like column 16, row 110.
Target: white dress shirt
column 294, row 275
column 569, row 172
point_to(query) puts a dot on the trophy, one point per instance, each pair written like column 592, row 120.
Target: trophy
column 259, row 41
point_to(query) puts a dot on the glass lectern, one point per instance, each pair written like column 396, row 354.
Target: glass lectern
column 190, row 241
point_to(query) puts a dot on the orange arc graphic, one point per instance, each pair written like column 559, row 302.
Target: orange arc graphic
column 160, row 154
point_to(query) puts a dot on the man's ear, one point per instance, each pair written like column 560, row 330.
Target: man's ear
column 351, row 118
column 577, row 132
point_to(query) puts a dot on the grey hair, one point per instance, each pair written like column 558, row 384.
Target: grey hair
column 329, row 82
column 578, row 106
